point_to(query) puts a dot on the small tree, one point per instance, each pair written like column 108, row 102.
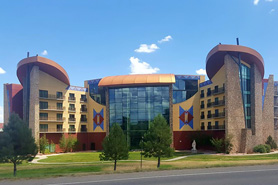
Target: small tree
column 68, row 144
column 114, row 146
column 218, row 144
column 17, row 143
column 43, row 143
column 158, row 139
column 271, row 142
column 228, row 143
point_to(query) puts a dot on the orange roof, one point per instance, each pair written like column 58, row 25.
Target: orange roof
column 139, row 79
column 46, row 65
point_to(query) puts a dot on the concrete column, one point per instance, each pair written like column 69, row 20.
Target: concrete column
column 234, row 118
column 34, row 121
column 171, row 112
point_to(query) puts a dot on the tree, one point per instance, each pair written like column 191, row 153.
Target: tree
column 43, row 143
column 17, row 143
column 158, row 139
column 114, row 146
column 68, row 144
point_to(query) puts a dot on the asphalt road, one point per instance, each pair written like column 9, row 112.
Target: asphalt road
column 245, row 175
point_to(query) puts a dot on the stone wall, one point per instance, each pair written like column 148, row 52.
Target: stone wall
column 171, row 112
column 34, row 121
column 234, row 119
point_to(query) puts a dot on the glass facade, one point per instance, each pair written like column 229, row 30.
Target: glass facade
column 246, row 93
column 96, row 93
column 133, row 108
column 184, row 89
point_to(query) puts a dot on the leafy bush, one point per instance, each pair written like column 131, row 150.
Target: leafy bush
column 262, row 148
column 43, row 143
column 68, row 144
column 228, row 144
column 218, row 144
column 271, row 142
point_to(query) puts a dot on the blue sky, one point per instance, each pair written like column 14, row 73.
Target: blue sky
column 92, row 39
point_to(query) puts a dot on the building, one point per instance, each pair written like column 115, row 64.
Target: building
column 1, row 127
column 236, row 101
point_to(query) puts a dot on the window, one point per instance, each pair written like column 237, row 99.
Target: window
column 202, row 126
column 216, row 113
column 184, row 88
column 72, row 128
column 43, row 105
column 59, row 116
column 43, row 94
column 71, row 107
column 83, row 108
column 202, row 94
column 59, row 95
column 216, row 89
column 209, row 125
column 83, row 97
column 98, row 93
column 83, row 128
column 60, row 106
column 208, row 92
column 209, row 103
column 71, row 117
column 43, row 116
column 216, row 102
column 216, row 125
column 71, row 96
column 84, row 118
column 43, row 127
column 202, row 115
column 202, row 104
column 209, row 114
column 59, row 128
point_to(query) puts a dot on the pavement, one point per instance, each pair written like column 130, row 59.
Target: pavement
column 243, row 175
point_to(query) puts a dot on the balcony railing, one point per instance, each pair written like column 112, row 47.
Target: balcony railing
column 72, row 130
column 83, row 99
column 83, row 119
column 83, row 129
column 52, row 97
column 219, row 115
column 83, row 109
column 52, row 130
column 218, row 91
column 72, row 119
column 53, row 108
column 53, row 119
column 218, row 103
column 72, row 109
column 219, row 127
column 71, row 99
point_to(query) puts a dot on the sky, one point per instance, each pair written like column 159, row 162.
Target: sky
column 96, row 38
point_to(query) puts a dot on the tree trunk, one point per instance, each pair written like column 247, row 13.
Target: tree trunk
column 158, row 162
column 115, row 165
column 14, row 169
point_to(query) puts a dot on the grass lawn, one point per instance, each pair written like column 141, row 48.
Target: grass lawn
column 94, row 156
column 27, row 170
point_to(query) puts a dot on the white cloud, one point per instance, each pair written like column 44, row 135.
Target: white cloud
column 256, row 2
column 2, row 71
column 271, row 11
column 144, row 48
column 1, row 114
column 201, row 72
column 138, row 67
column 44, row 52
column 165, row 39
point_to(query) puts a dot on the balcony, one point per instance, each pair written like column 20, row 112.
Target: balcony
column 72, row 130
column 52, row 108
column 83, row 99
column 83, row 120
column 83, row 109
column 83, row 129
column 52, row 97
column 218, row 103
column 51, row 119
column 219, row 115
column 72, row 119
column 219, row 127
column 218, row 91
column 52, row 130
column 72, row 109
column 71, row 99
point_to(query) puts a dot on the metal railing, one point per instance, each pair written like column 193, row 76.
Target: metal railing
column 218, row 103
column 219, row 127
column 83, row 109
column 72, row 129
column 72, row 119
column 71, row 98
column 83, row 119
column 83, row 129
column 72, row 109
column 52, row 108
column 83, row 99
column 45, row 118
column 52, row 96
column 218, row 91
column 52, row 130
column 219, row 115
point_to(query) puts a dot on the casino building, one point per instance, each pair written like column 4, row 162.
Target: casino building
column 236, row 100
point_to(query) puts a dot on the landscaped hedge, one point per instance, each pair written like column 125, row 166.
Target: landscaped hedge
column 262, row 149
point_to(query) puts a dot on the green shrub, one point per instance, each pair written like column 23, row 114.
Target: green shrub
column 271, row 142
column 267, row 148
column 218, row 144
column 262, row 148
column 68, row 144
column 228, row 144
column 43, row 143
